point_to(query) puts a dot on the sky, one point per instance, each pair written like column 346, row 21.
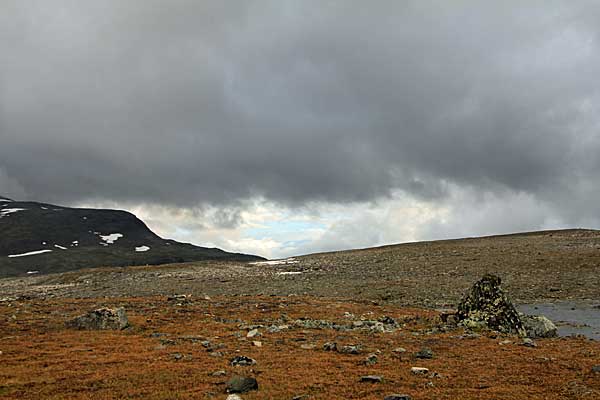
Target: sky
column 288, row 127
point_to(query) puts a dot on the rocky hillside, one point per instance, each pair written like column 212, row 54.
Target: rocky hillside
column 43, row 238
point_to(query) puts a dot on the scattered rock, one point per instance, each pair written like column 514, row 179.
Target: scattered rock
column 256, row 343
column 527, row 342
column 350, row 349
column 371, row 359
column 241, row 384
column 277, row 328
column 387, row 320
column 215, row 354
column 101, row 319
column 233, row 397
column 377, row 328
column 330, row 346
column 419, row 370
column 538, row 326
column 206, row 344
column 307, row 323
column 371, row 378
column 486, row 306
column 449, row 317
column 242, row 361
column 399, row 350
column 253, row 333
column 219, row 373
column 179, row 356
column 424, row 353
column 300, row 397
column 308, row 346
column 595, row 368
column 398, row 397
column 180, row 298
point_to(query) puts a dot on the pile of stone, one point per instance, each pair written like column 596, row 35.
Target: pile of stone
column 101, row 319
column 486, row 306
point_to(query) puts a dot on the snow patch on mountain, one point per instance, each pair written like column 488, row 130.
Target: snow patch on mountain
column 142, row 249
column 31, row 253
column 110, row 239
column 6, row 211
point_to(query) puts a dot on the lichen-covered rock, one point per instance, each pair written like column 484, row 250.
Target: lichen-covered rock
column 538, row 326
column 101, row 319
column 241, row 384
column 487, row 306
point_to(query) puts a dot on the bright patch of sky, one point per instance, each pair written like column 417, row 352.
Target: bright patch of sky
column 276, row 232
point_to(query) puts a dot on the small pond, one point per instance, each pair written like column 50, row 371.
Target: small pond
column 571, row 318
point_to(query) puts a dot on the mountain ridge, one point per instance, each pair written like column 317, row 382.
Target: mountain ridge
column 42, row 238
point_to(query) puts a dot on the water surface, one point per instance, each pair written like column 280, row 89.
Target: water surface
column 571, row 318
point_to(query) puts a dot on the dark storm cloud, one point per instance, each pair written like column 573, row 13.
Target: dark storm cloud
column 197, row 102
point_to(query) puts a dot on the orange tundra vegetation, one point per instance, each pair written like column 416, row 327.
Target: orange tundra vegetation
column 173, row 349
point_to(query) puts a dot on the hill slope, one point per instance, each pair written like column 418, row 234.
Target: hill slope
column 49, row 238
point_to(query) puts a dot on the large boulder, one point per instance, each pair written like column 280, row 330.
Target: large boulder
column 538, row 326
column 101, row 319
column 241, row 384
column 487, row 306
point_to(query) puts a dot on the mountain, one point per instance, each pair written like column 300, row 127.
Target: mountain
column 44, row 238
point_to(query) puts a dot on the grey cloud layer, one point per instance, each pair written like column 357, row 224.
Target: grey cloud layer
column 189, row 102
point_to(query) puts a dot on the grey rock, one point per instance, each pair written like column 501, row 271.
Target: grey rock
column 596, row 368
column 241, row 384
column 330, row 346
column 387, row 320
column 350, row 349
column 424, row 353
column 527, row 342
column 397, row 397
column 233, row 397
column 242, row 361
column 101, row 319
column 277, row 328
column 180, row 299
column 206, row 344
column 486, row 306
column 253, row 333
column 538, row 326
column 419, row 370
column 371, row 378
column 219, row 373
column 371, row 359
column 314, row 324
